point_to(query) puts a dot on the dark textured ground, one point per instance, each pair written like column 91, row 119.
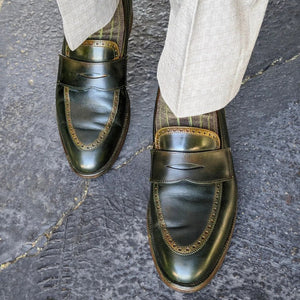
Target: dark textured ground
column 62, row 237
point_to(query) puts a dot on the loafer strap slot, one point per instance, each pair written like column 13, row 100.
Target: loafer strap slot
column 82, row 75
column 197, row 167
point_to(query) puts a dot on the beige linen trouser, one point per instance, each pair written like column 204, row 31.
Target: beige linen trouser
column 207, row 49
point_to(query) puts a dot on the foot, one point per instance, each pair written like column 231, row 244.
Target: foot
column 193, row 201
column 92, row 101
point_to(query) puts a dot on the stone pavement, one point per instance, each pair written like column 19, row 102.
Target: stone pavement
column 62, row 237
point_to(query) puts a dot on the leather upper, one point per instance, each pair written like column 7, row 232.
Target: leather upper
column 193, row 203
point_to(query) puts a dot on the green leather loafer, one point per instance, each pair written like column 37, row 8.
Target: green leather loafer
column 92, row 103
column 193, row 203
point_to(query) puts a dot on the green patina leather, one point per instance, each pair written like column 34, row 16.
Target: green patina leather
column 193, row 204
column 92, row 101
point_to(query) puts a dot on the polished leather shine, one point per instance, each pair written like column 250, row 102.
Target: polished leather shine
column 193, row 204
column 92, row 102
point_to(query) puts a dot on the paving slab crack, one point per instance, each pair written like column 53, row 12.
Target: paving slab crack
column 42, row 241
column 277, row 61
column 130, row 159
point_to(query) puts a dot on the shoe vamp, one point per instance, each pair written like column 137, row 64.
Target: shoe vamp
column 90, row 112
column 186, row 208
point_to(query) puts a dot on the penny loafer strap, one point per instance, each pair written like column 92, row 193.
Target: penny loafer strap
column 80, row 75
column 197, row 167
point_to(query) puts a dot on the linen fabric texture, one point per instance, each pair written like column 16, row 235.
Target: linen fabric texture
column 207, row 49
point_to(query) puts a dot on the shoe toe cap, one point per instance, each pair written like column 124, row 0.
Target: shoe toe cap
column 87, row 162
column 183, row 272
